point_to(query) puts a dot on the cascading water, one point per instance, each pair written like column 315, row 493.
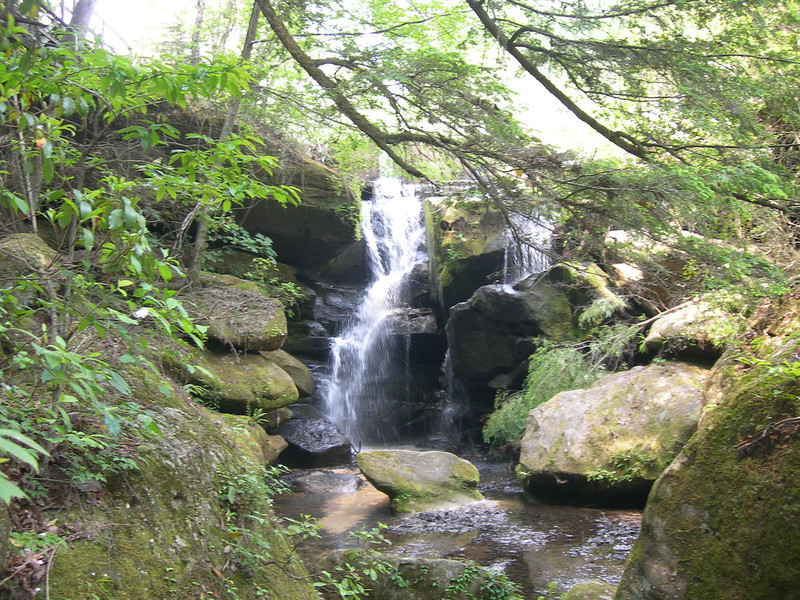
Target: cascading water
column 523, row 257
column 369, row 360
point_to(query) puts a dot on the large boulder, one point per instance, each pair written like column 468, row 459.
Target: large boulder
column 20, row 255
column 697, row 329
column 466, row 248
column 721, row 523
column 590, row 590
column 250, row 438
column 300, row 374
column 416, row 481
column 242, row 318
column 608, row 443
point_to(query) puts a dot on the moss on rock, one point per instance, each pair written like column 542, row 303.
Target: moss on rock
column 242, row 382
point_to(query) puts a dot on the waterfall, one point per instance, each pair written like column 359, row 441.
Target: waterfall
column 525, row 237
column 369, row 361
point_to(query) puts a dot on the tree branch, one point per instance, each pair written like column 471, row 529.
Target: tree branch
column 615, row 137
column 332, row 90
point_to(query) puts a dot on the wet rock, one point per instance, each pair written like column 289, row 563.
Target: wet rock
column 244, row 319
column 348, row 267
column 300, row 374
column 413, row 321
column 417, row 481
column 590, row 590
column 314, row 443
column 608, row 443
column 308, row 339
column 326, row 482
column 335, row 305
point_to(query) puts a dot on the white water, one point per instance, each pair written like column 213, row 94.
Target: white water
column 369, row 364
column 525, row 239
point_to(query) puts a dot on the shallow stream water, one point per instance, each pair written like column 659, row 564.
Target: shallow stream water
column 539, row 546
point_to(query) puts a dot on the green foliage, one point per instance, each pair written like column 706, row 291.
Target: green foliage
column 363, row 565
column 627, row 466
column 552, row 369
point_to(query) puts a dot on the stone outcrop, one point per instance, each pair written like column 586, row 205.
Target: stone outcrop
column 241, row 382
column 465, row 249
column 319, row 228
column 506, row 318
column 608, row 443
column 300, row 374
column 721, row 522
column 416, row 481
column 242, row 318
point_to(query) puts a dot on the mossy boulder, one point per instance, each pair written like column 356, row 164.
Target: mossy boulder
column 166, row 530
column 241, row 382
column 20, row 255
column 721, row 522
column 590, row 590
column 417, row 481
column 698, row 329
column 492, row 333
column 300, row 374
column 242, row 318
column 252, row 441
column 608, row 443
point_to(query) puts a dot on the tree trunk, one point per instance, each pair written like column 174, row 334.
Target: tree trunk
column 198, row 24
column 79, row 22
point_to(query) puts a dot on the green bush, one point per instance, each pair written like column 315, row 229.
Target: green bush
column 552, row 369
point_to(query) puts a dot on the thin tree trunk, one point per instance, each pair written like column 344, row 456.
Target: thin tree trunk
column 615, row 137
column 201, row 212
column 346, row 107
column 196, row 33
column 79, row 22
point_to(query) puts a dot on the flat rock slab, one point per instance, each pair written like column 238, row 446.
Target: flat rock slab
column 416, row 481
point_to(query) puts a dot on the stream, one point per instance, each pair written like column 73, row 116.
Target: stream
column 543, row 548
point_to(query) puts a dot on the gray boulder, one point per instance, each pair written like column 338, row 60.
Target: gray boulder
column 416, row 481
column 300, row 374
column 608, row 443
column 314, row 443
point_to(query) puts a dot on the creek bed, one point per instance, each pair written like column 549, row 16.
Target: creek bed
column 544, row 548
